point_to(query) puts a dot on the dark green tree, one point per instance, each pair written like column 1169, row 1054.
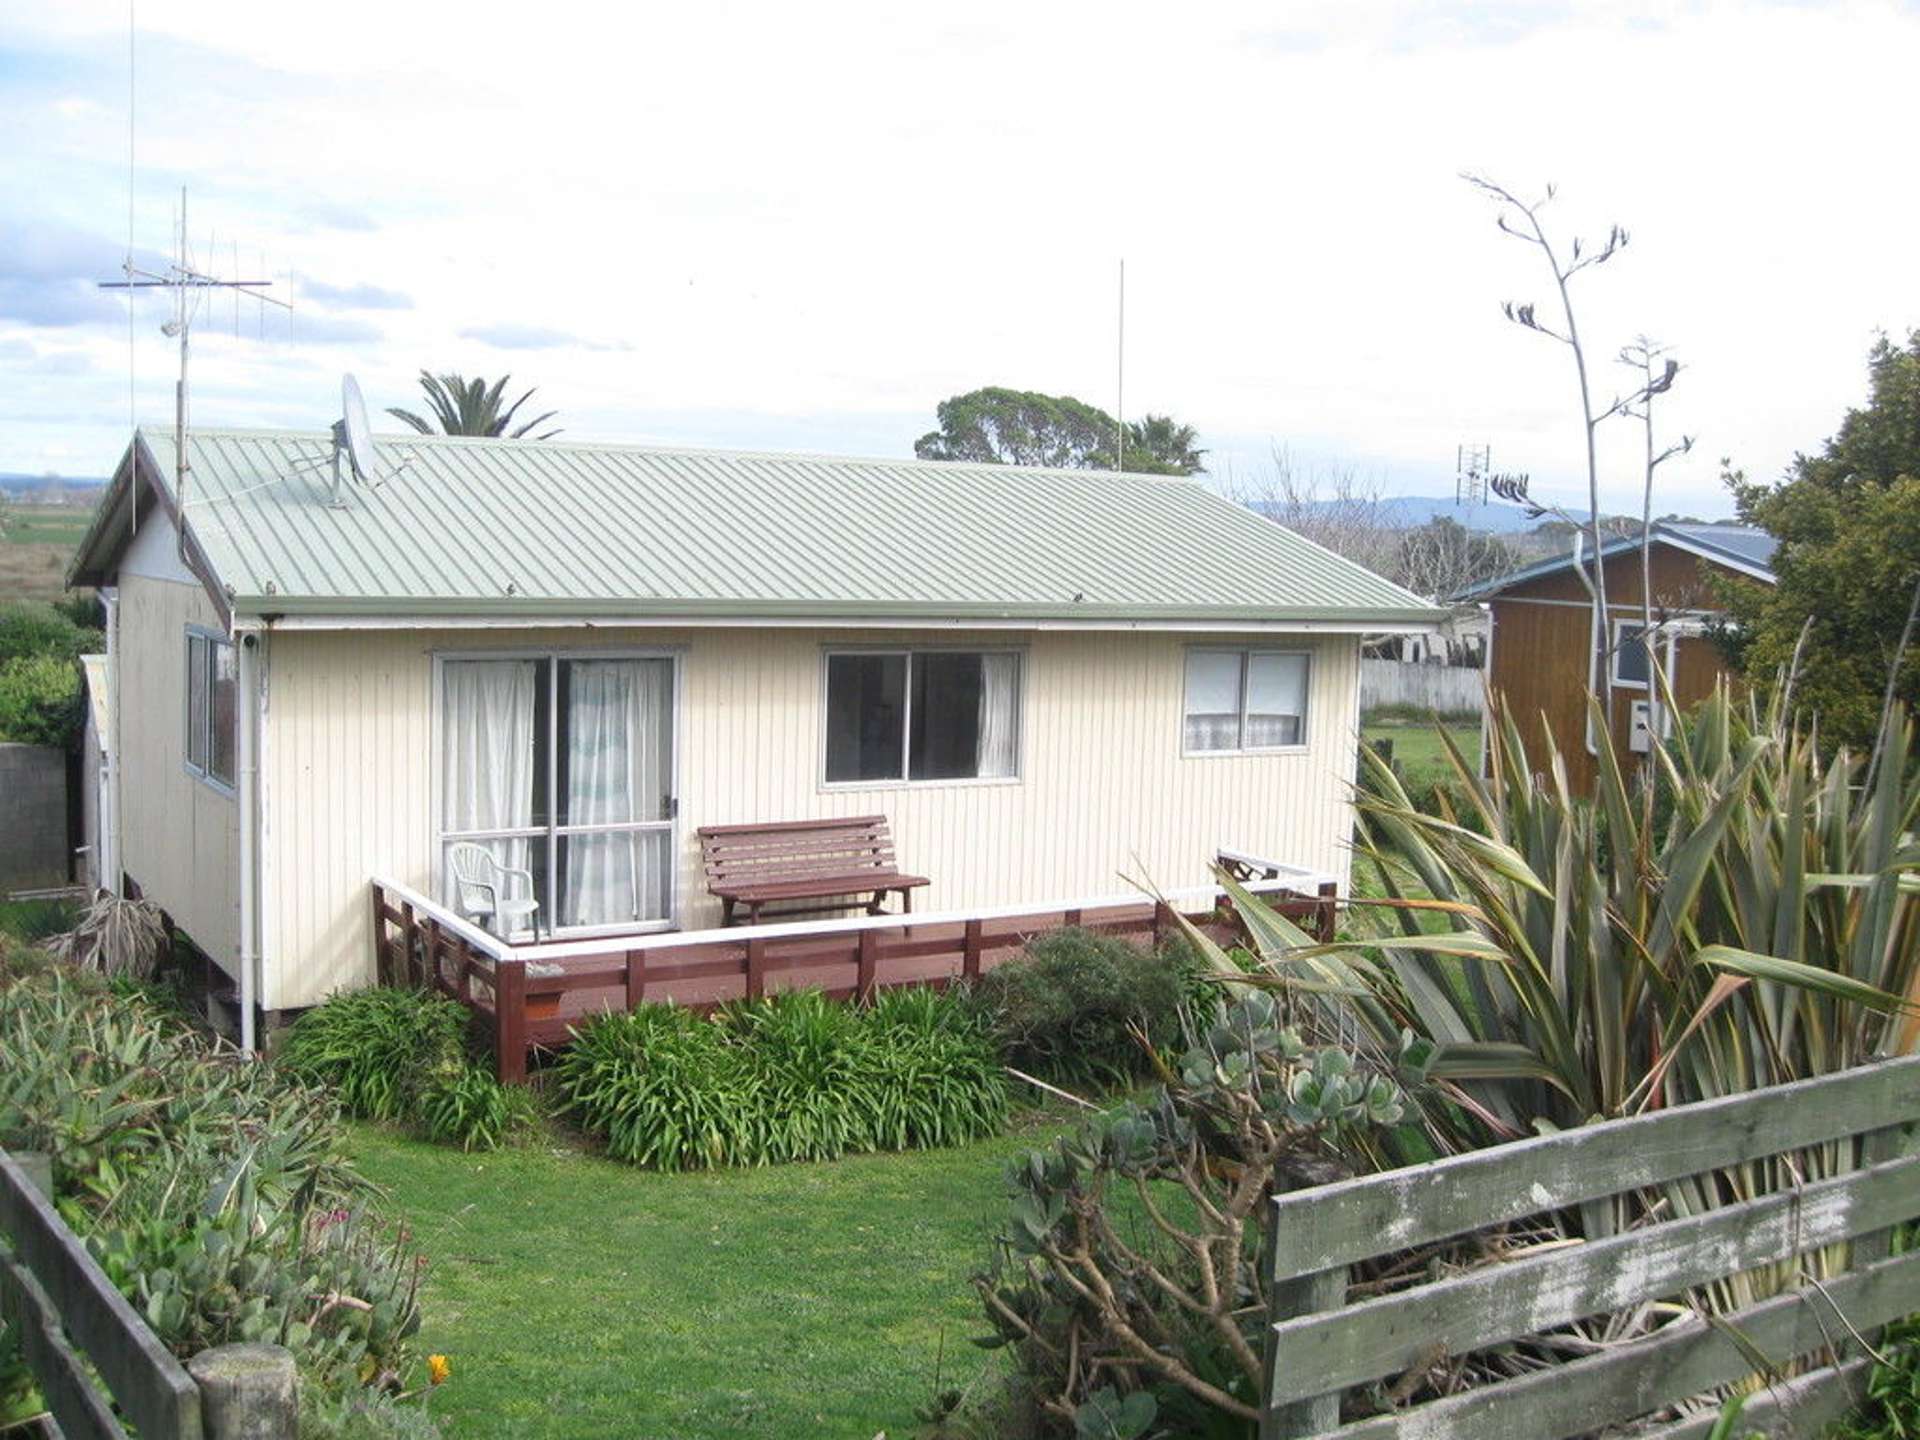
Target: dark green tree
column 471, row 407
column 1442, row 557
column 1840, row 619
column 998, row 426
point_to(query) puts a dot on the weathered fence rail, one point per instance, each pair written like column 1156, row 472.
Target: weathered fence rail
column 1852, row 1131
column 62, row 1306
column 529, row 996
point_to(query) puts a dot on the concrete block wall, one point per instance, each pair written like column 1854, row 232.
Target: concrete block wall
column 33, row 817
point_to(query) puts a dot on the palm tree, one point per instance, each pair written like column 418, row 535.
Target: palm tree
column 471, row 407
column 1160, row 443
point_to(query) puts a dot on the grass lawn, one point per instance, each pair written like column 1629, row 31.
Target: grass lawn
column 1417, row 748
column 578, row 1297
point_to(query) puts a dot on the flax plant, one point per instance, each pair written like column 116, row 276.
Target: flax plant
column 1744, row 914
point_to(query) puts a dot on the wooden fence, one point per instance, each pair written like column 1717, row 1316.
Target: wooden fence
column 1449, row 689
column 530, row 996
column 1866, row 1181
column 61, row 1305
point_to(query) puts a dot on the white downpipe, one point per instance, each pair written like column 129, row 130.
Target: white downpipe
column 108, row 860
column 248, row 707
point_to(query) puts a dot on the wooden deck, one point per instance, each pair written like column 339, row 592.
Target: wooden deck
column 528, row 997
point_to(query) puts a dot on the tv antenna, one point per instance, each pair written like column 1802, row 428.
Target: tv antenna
column 189, row 285
column 1471, row 466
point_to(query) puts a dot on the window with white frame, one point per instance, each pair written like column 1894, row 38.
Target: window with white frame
column 560, row 768
column 1239, row 700
column 902, row 716
column 212, row 680
column 1632, row 662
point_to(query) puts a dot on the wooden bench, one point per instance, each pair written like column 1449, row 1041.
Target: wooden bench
column 801, row 860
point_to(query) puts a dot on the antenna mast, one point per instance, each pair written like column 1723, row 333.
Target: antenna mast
column 1120, row 379
column 185, row 282
column 1471, row 466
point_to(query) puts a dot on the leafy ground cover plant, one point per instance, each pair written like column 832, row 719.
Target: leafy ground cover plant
column 1075, row 1006
column 1126, row 1282
column 210, row 1189
column 394, row 1054
column 789, row 1077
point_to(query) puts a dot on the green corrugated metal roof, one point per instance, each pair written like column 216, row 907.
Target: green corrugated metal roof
column 498, row 527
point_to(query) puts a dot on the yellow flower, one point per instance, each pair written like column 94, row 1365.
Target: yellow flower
column 438, row 1369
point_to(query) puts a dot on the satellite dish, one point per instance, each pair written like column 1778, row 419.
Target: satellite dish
column 353, row 421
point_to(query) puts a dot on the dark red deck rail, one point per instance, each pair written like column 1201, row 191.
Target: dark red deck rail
column 527, row 997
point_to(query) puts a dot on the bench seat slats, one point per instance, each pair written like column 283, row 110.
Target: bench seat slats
column 756, row 864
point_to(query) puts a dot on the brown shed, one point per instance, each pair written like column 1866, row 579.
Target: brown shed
column 1542, row 623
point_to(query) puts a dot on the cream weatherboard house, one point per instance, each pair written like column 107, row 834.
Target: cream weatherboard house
column 574, row 655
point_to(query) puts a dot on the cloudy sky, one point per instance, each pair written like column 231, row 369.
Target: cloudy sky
column 786, row 226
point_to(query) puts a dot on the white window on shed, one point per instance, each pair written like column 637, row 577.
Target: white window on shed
column 212, row 685
column 1239, row 700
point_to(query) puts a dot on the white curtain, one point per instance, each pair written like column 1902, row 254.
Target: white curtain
column 616, row 767
column 999, row 682
column 487, row 753
column 1276, row 700
column 1213, row 700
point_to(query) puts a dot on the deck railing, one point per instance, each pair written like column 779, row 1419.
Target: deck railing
column 530, row 996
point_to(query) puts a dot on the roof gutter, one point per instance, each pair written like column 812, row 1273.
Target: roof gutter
column 1420, row 623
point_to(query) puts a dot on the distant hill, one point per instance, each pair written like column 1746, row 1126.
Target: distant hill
column 71, row 489
column 1409, row 512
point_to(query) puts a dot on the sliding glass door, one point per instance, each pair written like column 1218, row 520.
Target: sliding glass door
column 563, row 767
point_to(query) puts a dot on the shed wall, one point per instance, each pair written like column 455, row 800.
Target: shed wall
column 1104, row 792
column 179, row 836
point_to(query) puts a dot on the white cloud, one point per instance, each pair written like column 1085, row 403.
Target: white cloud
column 805, row 221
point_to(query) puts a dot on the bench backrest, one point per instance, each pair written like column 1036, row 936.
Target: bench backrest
column 796, row 850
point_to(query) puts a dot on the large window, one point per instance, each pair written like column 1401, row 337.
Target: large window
column 922, row 715
column 562, row 767
column 212, row 676
column 1246, row 700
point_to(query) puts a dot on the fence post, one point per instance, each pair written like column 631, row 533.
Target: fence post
column 869, row 955
column 382, row 968
column 636, row 978
column 247, row 1392
column 1311, row 1294
column 756, row 969
column 970, row 950
column 1324, row 912
column 510, row 1020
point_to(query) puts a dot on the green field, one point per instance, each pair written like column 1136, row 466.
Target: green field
column 35, row 546
column 581, row 1298
column 47, row 524
column 1417, row 747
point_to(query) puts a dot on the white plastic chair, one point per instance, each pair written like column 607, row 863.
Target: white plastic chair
column 482, row 891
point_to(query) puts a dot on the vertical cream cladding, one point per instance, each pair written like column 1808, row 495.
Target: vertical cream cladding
column 1104, row 793
column 179, row 836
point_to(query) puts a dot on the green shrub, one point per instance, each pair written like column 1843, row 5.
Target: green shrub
column 375, row 1049
column 35, row 920
column 210, row 1188
column 789, row 1077
column 1071, row 1007
column 39, row 700
column 32, row 628
column 470, row 1108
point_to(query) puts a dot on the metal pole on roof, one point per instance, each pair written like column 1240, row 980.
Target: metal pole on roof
column 1120, row 379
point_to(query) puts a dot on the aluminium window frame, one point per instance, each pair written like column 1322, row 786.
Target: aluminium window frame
column 551, row 833
column 1649, row 639
column 1246, row 654
column 204, row 773
column 839, row 787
